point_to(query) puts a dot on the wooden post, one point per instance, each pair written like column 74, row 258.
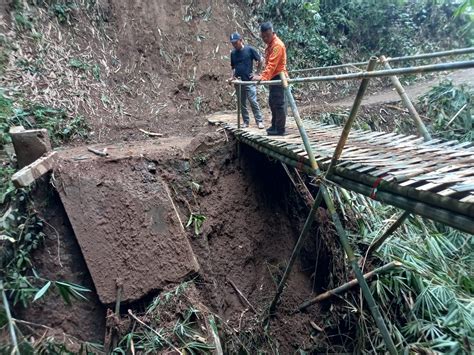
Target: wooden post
column 407, row 102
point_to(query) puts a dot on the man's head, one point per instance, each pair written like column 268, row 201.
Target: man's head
column 266, row 32
column 236, row 40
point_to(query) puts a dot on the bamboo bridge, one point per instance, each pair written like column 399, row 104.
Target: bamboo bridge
column 433, row 179
column 420, row 175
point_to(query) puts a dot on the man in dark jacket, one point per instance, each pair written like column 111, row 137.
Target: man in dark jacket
column 241, row 61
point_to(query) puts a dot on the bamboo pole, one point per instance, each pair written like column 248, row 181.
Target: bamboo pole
column 423, row 132
column 427, row 197
column 323, row 194
column 453, row 52
column 239, row 99
column 462, row 223
column 11, row 322
column 348, row 285
column 407, row 102
column 317, row 201
column 350, row 120
column 299, row 122
column 369, row 298
column 374, row 74
column 390, row 230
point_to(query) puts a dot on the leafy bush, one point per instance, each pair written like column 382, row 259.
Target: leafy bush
column 428, row 300
column 325, row 32
column 300, row 25
column 60, row 126
column 450, row 109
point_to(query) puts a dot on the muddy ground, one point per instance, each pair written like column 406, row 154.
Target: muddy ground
column 253, row 217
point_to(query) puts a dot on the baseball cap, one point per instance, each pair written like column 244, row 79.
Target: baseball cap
column 234, row 37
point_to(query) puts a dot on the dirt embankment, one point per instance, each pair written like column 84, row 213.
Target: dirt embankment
column 122, row 65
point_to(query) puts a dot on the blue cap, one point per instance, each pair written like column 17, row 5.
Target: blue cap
column 234, row 37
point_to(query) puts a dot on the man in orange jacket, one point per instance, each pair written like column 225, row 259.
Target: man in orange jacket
column 275, row 63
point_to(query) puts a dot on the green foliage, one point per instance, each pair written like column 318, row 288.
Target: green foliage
column 78, row 64
column 429, row 300
column 51, row 345
column 22, row 22
column 467, row 6
column 63, row 11
column 327, row 32
column 197, row 221
column 61, row 128
column 96, row 72
column 21, row 232
column 300, row 25
column 172, row 323
column 442, row 103
column 6, row 111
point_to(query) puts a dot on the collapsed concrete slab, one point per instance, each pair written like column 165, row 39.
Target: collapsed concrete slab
column 126, row 226
column 29, row 144
column 28, row 174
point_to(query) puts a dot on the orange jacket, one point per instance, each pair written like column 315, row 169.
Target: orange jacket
column 275, row 59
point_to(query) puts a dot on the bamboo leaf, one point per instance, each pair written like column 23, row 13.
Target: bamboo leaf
column 42, row 291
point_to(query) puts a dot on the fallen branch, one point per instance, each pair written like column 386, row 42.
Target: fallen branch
column 348, row 285
column 102, row 153
column 242, row 296
column 456, row 115
column 151, row 134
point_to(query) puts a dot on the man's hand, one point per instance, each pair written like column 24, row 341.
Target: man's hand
column 229, row 81
column 256, row 77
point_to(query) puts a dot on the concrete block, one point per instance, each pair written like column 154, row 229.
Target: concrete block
column 30, row 173
column 29, row 144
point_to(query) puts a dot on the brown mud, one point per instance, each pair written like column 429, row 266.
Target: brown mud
column 253, row 217
column 61, row 259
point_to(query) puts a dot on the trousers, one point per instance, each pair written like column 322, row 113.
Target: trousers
column 277, row 103
column 249, row 92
